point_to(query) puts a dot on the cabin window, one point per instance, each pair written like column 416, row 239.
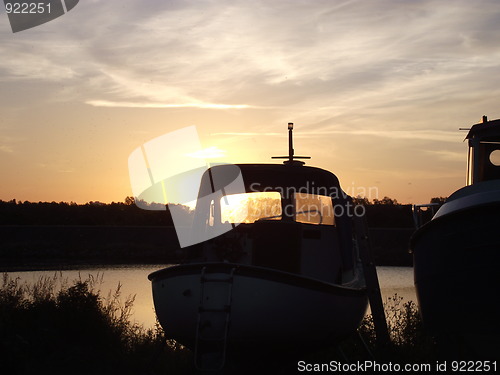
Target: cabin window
column 211, row 218
column 314, row 209
column 250, row 207
column 470, row 168
column 495, row 158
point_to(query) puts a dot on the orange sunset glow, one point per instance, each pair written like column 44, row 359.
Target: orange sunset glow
column 376, row 89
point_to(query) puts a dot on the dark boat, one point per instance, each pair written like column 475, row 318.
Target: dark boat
column 280, row 269
column 457, row 256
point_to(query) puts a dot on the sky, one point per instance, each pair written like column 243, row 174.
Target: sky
column 377, row 90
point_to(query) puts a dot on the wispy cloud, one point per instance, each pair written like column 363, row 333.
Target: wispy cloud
column 429, row 135
column 22, row 62
column 447, row 155
column 248, row 134
column 8, row 143
column 405, row 72
column 208, row 153
column 105, row 103
column 386, row 55
column 6, row 149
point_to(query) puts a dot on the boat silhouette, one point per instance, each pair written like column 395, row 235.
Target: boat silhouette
column 286, row 278
column 457, row 256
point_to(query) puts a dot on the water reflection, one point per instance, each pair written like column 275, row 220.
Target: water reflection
column 397, row 280
column 132, row 278
column 134, row 281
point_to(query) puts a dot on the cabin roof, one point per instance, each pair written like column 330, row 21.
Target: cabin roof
column 268, row 177
column 485, row 129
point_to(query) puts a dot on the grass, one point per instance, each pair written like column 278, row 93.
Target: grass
column 57, row 328
column 52, row 327
column 410, row 342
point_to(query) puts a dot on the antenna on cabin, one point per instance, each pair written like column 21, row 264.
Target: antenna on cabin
column 291, row 158
column 484, row 120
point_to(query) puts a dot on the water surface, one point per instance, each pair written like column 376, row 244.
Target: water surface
column 134, row 282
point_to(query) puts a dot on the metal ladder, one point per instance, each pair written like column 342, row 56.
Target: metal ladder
column 214, row 314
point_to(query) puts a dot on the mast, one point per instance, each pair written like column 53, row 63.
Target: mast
column 291, row 157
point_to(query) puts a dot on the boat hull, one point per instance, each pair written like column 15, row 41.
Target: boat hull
column 267, row 307
column 457, row 279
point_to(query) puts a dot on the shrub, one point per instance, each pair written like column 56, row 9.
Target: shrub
column 74, row 330
column 409, row 340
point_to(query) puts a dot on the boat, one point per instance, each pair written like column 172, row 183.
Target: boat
column 457, row 256
column 285, row 277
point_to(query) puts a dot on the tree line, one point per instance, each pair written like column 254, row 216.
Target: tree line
column 91, row 213
column 380, row 213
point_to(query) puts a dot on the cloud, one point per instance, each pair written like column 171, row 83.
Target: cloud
column 416, row 174
column 362, row 56
column 403, row 70
column 19, row 63
column 7, row 142
column 249, row 134
column 208, row 153
column 6, row 149
column 429, row 135
column 105, row 103
column 447, row 155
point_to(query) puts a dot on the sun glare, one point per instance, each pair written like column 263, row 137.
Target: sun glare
column 250, row 207
column 208, row 153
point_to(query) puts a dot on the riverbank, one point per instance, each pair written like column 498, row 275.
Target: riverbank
column 29, row 247
column 58, row 328
column 51, row 327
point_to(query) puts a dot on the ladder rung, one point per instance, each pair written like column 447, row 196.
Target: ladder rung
column 206, row 348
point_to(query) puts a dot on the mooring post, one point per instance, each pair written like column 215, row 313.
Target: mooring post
column 372, row 284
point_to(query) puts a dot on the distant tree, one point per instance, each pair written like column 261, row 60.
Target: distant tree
column 361, row 200
column 439, row 200
column 385, row 200
column 129, row 201
column 94, row 203
column 183, row 214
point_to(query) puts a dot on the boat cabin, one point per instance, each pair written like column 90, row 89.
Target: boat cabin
column 484, row 152
column 289, row 217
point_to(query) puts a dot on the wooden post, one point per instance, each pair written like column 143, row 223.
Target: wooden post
column 372, row 284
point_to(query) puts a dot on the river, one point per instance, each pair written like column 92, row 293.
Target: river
column 134, row 282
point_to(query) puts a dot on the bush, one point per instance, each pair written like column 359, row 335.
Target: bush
column 410, row 343
column 50, row 327
column 74, row 330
